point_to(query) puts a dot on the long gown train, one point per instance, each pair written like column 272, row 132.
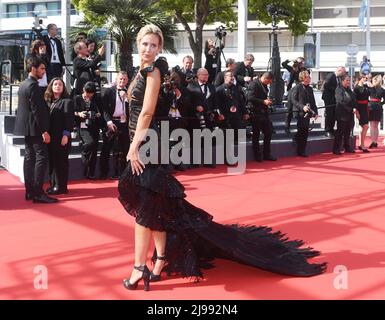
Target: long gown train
column 157, row 200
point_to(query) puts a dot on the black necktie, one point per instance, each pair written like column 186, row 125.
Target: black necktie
column 204, row 89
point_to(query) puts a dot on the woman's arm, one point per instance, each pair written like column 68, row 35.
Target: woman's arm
column 149, row 104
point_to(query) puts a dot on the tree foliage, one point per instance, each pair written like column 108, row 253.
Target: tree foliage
column 123, row 19
column 300, row 13
column 200, row 12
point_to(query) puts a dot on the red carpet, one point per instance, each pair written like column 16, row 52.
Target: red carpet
column 336, row 204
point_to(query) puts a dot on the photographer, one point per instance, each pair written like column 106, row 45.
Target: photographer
column 174, row 106
column 230, row 66
column 231, row 104
column 55, row 53
column 244, row 72
column 365, row 66
column 87, row 112
column 84, row 68
column 187, row 74
column 297, row 67
column 115, row 132
column 92, row 53
column 304, row 108
column 203, row 101
column 213, row 59
column 258, row 105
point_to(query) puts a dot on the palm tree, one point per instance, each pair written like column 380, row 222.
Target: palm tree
column 123, row 19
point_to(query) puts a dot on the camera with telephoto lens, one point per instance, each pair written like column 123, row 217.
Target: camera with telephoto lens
column 220, row 32
column 272, row 10
column 38, row 28
column 310, row 113
column 90, row 117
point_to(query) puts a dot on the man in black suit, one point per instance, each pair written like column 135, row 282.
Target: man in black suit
column 257, row 97
column 83, row 67
column 203, row 102
column 230, row 66
column 187, row 73
column 55, row 53
column 231, row 104
column 32, row 122
column 304, row 108
column 115, row 114
column 244, row 71
column 328, row 96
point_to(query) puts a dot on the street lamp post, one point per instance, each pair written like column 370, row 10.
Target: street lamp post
column 277, row 88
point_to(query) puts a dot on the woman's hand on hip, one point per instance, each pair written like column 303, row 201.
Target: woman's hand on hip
column 137, row 165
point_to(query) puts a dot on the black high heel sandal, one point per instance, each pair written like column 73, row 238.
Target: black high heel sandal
column 157, row 277
column 145, row 276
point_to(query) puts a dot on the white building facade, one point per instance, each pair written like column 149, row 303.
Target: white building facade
column 336, row 26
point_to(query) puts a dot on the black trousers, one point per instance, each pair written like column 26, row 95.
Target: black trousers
column 54, row 70
column 119, row 143
column 261, row 122
column 302, row 133
column 90, row 139
column 35, row 165
column 289, row 105
column 342, row 134
column 234, row 121
column 58, row 163
column 330, row 115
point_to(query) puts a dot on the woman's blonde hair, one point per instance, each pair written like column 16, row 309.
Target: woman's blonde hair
column 377, row 80
column 150, row 29
column 147, row 29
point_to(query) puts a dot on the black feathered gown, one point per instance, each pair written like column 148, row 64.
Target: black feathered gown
column 157, row 201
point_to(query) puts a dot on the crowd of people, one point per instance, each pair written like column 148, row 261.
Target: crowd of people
column 189, row 98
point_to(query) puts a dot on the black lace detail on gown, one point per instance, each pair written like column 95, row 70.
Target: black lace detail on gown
column 157, row 200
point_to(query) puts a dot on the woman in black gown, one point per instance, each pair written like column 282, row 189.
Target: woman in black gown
column 186, row 239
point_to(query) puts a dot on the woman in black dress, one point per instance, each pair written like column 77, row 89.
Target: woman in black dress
column 61, row 125
column 213, row 60
column 362, row 91
column 377, row 99
column 185, row 237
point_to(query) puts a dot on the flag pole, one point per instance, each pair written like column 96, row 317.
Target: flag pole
column 368, row 45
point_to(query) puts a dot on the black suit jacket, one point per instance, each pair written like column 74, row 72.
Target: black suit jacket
column 95, row 107
column 109, row 103
column 301, row 96
column 59, row 49
column 329, row 89
column 241, row 71
column 199, row 99
column 345, row 103
column 83, row 71
column 256, row 94
column 62, row 119
column 32, row 117
column 228, row 97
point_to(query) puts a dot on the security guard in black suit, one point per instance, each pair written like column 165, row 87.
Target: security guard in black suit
column 32, row 122
column 258, row 104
